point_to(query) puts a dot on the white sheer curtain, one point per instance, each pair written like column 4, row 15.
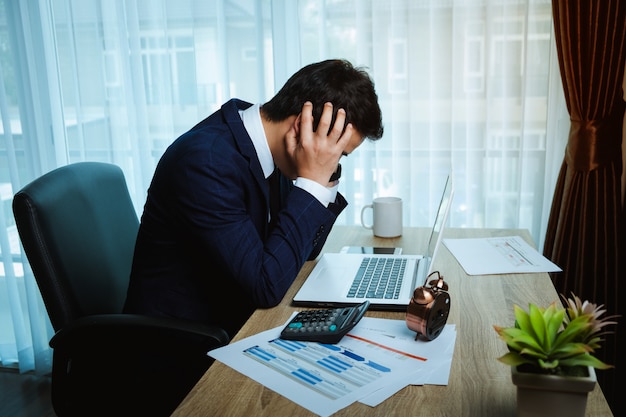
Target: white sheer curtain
column 468, row 86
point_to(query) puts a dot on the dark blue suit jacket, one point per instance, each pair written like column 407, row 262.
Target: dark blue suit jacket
column 205, row 251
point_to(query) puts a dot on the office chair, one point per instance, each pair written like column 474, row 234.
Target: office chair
column 78, row 229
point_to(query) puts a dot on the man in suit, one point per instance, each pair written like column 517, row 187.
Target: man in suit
column 214, row 242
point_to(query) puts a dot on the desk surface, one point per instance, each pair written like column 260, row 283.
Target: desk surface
column 479, row 385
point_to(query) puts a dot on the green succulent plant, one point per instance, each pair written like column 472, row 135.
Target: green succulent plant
column 555, row 339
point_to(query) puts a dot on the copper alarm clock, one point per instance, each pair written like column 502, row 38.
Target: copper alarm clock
column 428, row 310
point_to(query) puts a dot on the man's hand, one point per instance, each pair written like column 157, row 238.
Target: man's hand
column 315, row 154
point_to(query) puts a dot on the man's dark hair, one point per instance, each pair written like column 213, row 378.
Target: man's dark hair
column 335, row 81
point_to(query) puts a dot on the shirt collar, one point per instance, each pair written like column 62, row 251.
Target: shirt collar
column 251, row 118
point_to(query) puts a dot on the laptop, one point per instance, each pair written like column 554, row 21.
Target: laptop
column 338, row 279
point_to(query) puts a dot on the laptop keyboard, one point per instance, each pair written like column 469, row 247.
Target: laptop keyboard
column 378, row 277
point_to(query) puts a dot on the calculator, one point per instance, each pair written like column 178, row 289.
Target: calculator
column 324, row 325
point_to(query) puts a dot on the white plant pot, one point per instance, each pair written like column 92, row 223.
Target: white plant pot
column 551, row 395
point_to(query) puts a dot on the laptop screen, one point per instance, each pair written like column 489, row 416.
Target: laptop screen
column 440, row 220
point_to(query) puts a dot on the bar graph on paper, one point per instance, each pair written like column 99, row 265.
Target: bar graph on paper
column 512, row 251
column 330, row 370
column 374, row 362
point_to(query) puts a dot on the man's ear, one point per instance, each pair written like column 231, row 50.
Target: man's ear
column 296, row 124
column 292, row 136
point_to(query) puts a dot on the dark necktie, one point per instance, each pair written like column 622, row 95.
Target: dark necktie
column 274, row 181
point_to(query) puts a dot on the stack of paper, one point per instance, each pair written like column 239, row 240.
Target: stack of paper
column 498, row 255
column 375, row 360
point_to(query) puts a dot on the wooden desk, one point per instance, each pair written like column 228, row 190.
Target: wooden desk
column 479, row 385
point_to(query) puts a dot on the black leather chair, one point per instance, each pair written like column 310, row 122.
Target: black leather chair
column 78, row 228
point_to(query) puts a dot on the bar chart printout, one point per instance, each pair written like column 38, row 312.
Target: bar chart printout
column 328, row 369
column 327, row 377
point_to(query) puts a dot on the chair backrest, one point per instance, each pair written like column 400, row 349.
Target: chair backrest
column 78, row 229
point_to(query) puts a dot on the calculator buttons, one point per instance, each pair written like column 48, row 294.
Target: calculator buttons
column 324, row 325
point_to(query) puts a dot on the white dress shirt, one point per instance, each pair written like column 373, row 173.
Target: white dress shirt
column 251, row 118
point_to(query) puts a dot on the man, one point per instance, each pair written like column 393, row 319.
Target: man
column 210, row 247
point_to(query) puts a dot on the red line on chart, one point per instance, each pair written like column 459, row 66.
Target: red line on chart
column 387, row 347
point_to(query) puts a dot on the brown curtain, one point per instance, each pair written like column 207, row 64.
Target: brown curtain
column 585, row 232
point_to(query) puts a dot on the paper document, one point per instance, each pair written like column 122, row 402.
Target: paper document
column 326, row 378
column 395, row 334
column 498, row 255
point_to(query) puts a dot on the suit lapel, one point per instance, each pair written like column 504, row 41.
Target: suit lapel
column 230, row 111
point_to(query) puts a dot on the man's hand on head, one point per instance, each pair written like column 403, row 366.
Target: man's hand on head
column 315, row 154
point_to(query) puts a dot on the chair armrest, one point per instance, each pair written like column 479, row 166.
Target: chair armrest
column 125, row 364
column 140, row 329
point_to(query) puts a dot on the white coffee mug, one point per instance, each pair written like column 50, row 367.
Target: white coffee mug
column 387, row 216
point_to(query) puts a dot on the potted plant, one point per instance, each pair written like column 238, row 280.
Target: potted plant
column 551, row 355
